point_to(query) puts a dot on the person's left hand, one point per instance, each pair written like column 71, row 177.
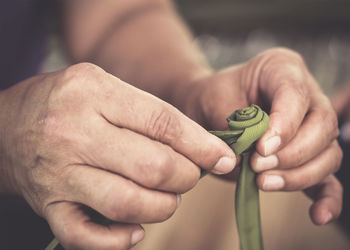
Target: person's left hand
column 299, row 151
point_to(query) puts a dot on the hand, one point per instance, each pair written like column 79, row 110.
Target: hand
column 81, row 137
column 299, row 151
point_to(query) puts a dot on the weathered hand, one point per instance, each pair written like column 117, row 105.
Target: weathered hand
column 299, row 150
column 83, row 137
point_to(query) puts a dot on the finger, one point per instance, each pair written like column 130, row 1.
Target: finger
column 288, row 109
column 74, row 229
column 128, row 107
column 117, row 198
column 307, row 175
column 318, row 130
column 145, row 161
column 328, row 197
column 284, row 83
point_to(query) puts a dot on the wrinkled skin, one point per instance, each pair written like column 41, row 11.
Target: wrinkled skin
column 299, row 151
column 80, row 136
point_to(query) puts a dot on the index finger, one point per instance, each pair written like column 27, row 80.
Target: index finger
column 285, row 83
column 287, row 113
column 134, row 109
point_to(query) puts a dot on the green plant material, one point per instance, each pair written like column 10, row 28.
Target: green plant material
column 53, row 244
column 246, row 126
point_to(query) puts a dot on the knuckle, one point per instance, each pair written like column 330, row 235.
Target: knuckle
column 292, row 80
column 125, row 207
column 292, row 83
column 157, row 170
column 284, row 66
column 71, row 236
column 163, row 124
column 120, row 242
column 77, row 81
column 170, row 206
column 192, row 178
column 82, row 71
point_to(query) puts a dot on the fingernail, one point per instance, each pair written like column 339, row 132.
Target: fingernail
column 273, row 182
column 224, row 165
column 272, row 144
column 327, row 218
column 178, row 200
column 264, row 163
column 137, row 236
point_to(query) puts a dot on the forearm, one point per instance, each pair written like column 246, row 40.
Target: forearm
column 146, row 45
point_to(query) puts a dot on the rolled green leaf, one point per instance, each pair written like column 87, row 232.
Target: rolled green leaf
column 246, row 126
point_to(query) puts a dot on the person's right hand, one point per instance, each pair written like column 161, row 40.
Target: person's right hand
column 299, row 151
column 81, row 137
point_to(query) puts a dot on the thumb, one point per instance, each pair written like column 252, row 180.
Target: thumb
column 145, row 114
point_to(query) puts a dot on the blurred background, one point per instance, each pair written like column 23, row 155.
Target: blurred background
column 233, row 31
column 230, row 32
